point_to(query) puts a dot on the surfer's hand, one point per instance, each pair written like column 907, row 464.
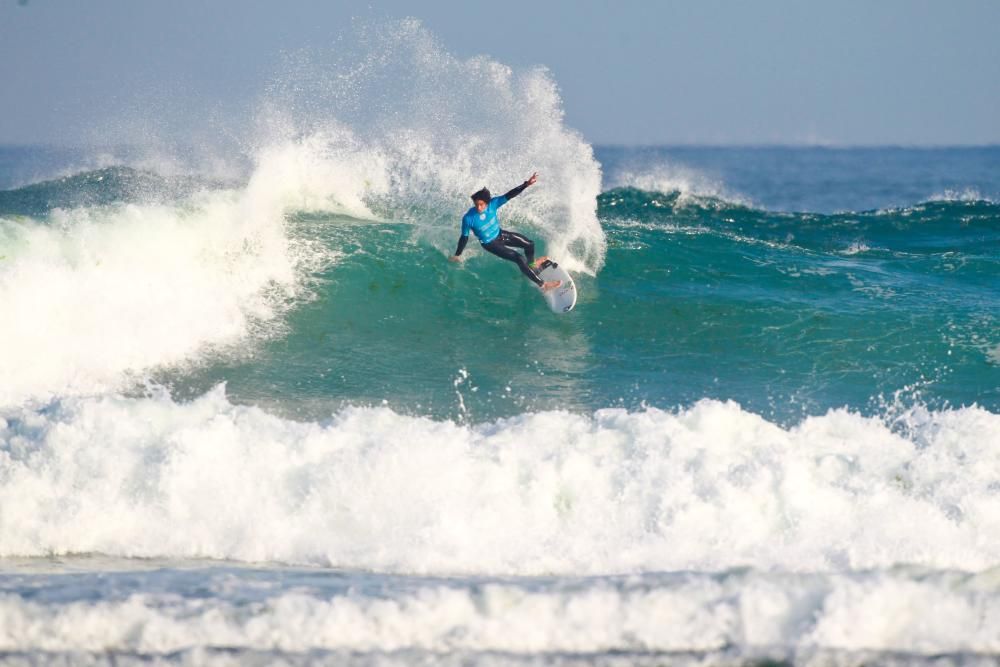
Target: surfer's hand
column 455, row 258
column 534, row 177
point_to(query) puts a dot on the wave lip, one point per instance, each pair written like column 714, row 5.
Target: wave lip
column 968, row 195
column 686, row 185
column 611, row 492
column 100, row 187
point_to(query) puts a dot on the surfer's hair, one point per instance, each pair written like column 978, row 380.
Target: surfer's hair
column 482, row 195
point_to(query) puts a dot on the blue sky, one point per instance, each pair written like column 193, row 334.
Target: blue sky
column 851, row 72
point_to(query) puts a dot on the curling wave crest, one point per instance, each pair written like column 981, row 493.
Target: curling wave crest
column 93, row 296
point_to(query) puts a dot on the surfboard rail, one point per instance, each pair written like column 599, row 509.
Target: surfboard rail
column 563, row 298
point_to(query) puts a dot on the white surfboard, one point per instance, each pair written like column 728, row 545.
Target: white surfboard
column 563, row 298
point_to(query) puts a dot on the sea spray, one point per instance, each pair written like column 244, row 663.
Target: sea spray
column 419, row 129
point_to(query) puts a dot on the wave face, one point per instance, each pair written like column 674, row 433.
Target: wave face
column 885, row 301
column 787, row 314
column 305, row 310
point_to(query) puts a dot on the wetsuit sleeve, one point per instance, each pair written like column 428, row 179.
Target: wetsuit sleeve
column 464, row 238
column 515, row 192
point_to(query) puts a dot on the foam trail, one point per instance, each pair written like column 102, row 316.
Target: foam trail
column 749, row 614
column 540, row 493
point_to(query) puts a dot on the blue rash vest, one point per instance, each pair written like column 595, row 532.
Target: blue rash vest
column 485, row 224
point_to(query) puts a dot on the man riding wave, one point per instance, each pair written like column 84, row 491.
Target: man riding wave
column 482, row 220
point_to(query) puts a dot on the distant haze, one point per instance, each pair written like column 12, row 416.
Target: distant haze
column 852, row 72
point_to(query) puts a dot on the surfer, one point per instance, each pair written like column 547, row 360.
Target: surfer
column 482, row 219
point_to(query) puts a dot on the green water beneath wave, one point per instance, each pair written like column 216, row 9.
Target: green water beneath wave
column 788, row 315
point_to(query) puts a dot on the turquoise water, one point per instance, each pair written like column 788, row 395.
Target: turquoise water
column 788, row 314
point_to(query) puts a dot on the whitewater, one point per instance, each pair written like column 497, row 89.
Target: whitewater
column 250, row 414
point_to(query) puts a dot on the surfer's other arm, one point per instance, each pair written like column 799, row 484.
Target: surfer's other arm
column 462, row 240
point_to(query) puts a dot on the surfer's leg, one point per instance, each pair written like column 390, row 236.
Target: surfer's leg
column 500, row 250
column 515, row 240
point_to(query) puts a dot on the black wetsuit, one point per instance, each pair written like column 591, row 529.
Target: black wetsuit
column 502, row 245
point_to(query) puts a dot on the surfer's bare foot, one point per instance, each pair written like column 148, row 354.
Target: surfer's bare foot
column 550, row 285
column 538, row 262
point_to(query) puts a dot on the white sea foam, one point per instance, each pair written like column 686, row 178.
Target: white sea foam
column 855, row 248
column 741, row 615
column 711, row 487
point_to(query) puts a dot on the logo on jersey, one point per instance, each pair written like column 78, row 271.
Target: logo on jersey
column 482, row 216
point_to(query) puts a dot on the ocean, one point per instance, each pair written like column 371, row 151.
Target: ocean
column 250, row 414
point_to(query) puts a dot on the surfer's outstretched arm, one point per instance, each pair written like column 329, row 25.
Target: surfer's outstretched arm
column 518, row 190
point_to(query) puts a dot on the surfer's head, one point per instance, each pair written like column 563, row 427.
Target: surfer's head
column 481, row 199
